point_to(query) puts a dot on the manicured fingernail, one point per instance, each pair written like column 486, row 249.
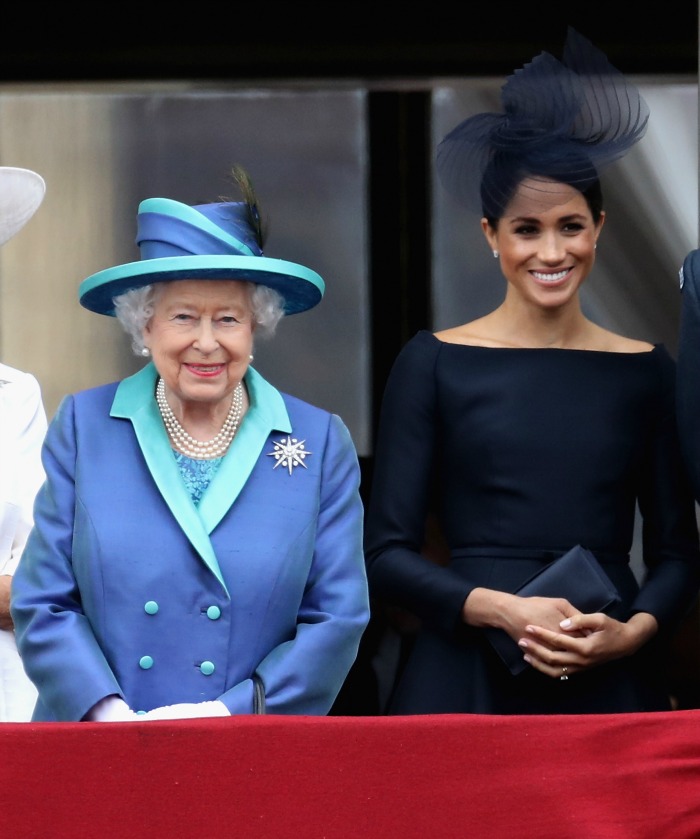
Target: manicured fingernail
column 566, row 623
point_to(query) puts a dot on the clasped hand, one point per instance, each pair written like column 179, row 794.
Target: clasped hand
column 563, row 637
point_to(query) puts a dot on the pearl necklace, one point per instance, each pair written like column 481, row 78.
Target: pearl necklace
column 184, row 442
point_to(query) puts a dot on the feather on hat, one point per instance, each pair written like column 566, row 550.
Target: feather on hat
column 216, row 241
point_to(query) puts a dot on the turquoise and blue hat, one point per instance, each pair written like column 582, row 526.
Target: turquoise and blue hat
column 202, row 242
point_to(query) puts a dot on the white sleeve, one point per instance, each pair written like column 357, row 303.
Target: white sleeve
column 22, row 431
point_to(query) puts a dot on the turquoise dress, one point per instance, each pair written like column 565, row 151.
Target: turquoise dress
column 197, row 474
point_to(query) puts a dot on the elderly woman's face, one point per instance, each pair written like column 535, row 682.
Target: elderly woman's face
column 201, row 337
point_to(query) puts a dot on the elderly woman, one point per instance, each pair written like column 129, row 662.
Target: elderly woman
column 197, row 548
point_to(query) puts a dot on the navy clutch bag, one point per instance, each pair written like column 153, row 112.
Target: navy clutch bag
column 577, row 576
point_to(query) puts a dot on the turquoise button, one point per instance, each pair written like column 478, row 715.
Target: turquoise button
column 146, row 662
column 207, row 667
column 213, row 613
column 151, row 607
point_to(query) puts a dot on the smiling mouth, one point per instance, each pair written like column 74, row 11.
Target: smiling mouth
column 205, row 368
column 549, row 277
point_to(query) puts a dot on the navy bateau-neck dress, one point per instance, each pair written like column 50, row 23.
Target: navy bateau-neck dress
column 521, row 454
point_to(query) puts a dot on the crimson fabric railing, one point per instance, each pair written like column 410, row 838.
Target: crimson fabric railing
column 419, row 777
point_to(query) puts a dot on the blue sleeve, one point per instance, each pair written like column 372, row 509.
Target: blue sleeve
column 305, row 674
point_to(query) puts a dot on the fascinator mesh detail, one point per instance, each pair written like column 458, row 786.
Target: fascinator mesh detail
column 562, row 122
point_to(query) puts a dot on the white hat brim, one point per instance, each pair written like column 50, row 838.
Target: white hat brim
column 21, row 193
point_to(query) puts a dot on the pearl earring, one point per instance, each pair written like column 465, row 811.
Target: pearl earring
column 145, row 352
column 251, row 357
column 495, row 254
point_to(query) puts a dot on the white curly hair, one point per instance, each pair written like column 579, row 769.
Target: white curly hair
column 135, row 308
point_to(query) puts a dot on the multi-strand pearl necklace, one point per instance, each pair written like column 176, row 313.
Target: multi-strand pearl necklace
column 185, row 443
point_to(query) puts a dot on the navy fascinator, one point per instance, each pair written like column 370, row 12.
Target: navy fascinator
column 562, row 121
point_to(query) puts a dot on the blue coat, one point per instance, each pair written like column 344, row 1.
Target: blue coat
column 125, row 587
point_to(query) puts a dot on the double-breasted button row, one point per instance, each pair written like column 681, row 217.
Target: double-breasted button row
column 206, row 667
column 212, row 612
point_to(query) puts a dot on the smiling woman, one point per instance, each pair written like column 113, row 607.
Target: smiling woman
column 201, row 336
column 546, row 240
column 533, row 430
column 178, row 572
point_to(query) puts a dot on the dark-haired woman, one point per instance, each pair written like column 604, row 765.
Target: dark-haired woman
column 532, row 430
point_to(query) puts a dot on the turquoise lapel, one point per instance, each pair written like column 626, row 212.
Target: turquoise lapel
column 267, row 413
column 134, row 400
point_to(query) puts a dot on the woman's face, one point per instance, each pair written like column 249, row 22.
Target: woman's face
column 201, row 337
column 546, row 242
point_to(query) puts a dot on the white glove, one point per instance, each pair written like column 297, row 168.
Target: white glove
column 187, row 710
column 111, row 709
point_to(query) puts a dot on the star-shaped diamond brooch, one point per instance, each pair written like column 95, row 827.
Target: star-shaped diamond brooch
column 289, row 452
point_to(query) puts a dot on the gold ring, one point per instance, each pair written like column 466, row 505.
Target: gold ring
column 564, row 677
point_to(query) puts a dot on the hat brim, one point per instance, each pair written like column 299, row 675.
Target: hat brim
column 301, row 287
column 21, row 193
